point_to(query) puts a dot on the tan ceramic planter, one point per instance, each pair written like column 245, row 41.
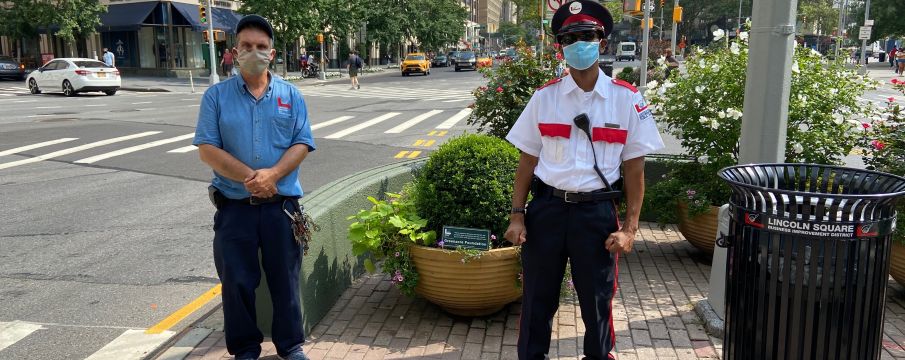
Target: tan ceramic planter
column 478, row 288
column 897, row 262
column 700, row 231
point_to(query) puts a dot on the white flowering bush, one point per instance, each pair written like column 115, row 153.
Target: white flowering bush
column 703, row 105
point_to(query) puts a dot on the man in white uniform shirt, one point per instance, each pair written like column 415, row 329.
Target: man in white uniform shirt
column 574, row 135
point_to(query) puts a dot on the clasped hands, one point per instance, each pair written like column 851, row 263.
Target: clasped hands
column 619, row 242
column 262, row 183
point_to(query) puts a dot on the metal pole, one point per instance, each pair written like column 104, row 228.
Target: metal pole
column 675, row 27
column 766, row 110
column 644, row 48
column 210, row 43
column 864, row 42
column 542, row 11
column 739, row 29
column 661, row 22
column 192, row 81
column 841, row 22
column 323, row 74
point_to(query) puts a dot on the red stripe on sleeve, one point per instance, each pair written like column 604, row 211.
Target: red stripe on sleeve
column 555, row 130
column 610, row 135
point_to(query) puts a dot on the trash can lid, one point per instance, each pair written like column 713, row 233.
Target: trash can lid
column 814, row 180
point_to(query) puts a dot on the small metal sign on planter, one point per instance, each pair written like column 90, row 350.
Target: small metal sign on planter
column 465, row 238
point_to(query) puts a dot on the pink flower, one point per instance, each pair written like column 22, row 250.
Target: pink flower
column 865, row 125
column 895, row 81
column 891, row 99
column 493, row 237
column 559, row 56
column 499, row 89
column 483, row 88
column 556, row 46
column 691, row 192
column 397, row 254
column 877, row 144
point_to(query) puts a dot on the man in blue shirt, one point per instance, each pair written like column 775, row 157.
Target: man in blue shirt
column 253, row 131
column 108, row 58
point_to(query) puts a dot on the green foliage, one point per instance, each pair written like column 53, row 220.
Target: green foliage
column 432, row 24
column 467, row 182
column 75, row 18
column 884, row 147
column 78, row 18
column 385, row 232
column 887, row 16
column 703, row 109
column 822, row 14
column 510, row 34
column 509, row 87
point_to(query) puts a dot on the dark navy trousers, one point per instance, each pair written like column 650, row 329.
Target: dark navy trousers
column 557, row 231
column 240, row 231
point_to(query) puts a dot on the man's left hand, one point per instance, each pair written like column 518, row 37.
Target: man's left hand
column 620, row 242
column 262, row 183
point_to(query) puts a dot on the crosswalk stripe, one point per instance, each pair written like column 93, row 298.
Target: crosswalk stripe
column 414, row 121
column 131, row 344
column 184, row 150
column 76, row 149
column 330, row 122
column 364, row 125
column 11, row 332
column 132, row 149
column 449, row 123
column 35, row 146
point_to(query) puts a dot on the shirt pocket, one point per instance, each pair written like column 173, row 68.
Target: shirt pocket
column 554, row 140
column 609, row 142
column 283, row 129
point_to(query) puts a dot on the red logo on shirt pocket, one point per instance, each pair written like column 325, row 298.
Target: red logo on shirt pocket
column 609, row 135
column 281, row 104
column 555, row 130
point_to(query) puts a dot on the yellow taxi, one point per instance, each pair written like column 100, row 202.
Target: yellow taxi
column 416, row 63
column 484, row 61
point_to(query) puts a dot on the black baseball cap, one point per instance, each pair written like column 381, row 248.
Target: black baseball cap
column 255, row 21
column 582, row 15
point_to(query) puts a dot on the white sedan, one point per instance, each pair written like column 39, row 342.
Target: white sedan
column 74, row 75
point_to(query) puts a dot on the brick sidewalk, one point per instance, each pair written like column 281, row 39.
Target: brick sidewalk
column 653, row 317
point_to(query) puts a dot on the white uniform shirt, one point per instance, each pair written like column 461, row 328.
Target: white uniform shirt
column 622, row 127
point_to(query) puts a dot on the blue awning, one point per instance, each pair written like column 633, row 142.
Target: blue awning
column 126, row 17
column 224, row 19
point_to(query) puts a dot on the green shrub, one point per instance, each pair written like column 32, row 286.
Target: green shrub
column 467, row 182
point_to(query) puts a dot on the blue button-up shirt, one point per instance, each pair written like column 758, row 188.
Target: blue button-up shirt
column 255, row 132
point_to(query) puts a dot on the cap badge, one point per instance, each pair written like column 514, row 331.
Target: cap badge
column 575, row 7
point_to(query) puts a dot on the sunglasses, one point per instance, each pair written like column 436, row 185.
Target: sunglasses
column 573, row 37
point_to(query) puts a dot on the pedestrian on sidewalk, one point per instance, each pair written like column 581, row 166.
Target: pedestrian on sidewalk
column 253, row 131
column 354, row 66
column 892, row 57
column 109, row 59
column 574, row 135
column 226, row 61
column 900, row 62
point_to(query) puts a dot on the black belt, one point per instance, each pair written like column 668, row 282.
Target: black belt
column 540, row 188
column 219, row 199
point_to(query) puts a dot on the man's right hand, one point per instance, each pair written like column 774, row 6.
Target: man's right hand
column 516, row 233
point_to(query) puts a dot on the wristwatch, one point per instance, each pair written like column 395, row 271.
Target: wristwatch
column 520, row 210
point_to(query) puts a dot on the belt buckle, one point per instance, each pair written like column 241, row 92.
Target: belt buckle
column 566, row 197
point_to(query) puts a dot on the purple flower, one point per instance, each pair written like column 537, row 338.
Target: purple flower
column 440, row 244
column 570, row 284
column 691, row 192
column 397, row 254
column 493, row 237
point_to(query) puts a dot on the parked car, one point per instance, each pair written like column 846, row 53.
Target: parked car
column 484, row 61
column 74, row 75
column 466, row 60
column 627, row 51
column 416, row 63
column 440, row 61
column 11, row 69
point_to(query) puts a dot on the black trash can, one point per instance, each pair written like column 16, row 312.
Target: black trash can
column 808, row 261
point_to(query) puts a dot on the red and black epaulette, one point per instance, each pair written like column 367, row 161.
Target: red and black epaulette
column 625, row 84
column 551, row 82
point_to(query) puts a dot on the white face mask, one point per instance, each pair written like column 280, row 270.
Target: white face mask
column 254, row 62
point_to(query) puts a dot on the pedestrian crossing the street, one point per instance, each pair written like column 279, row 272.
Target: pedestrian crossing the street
column 390, row 128
column 130, row 344
column 386, row 92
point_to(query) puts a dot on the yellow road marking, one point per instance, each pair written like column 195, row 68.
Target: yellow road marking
column 442, row 133
column 185, row 311
column 429, row 143
column 418, row 143
column 401, row 154
column 414, row 154
column 432, row 133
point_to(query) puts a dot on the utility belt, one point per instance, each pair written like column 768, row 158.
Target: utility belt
column 219, row 200
column 541, row 189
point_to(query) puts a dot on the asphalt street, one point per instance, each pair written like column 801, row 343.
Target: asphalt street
column 107, row 227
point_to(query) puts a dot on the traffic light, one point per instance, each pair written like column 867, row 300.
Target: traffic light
column 650, row 23
column 205, row 36
column 202, row 12
column 662, row 3
column 320, row 38
column 632, row 6
column 677, row 14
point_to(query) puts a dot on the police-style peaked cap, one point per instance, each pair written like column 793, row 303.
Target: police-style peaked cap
column 582, row 15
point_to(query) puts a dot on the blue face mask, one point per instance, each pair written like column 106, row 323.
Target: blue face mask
column 581, row 54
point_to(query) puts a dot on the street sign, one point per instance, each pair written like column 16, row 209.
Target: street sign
column 554, row 5
column 469, row 239
column 869, row 22
column 864, row 33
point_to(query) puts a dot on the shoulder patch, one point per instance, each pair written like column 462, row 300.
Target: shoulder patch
column 625, row 84
column 551, row 82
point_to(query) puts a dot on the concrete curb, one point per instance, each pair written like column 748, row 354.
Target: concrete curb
column 142, row 89
column 712, row 322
